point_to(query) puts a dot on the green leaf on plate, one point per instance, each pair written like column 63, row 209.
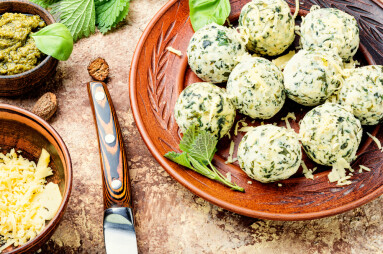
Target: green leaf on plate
column 180, row 158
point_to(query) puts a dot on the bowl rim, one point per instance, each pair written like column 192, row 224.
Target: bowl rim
column 53, row 223
column 47, row 58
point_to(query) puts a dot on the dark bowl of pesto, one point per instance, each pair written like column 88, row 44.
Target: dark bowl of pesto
column 36, row 67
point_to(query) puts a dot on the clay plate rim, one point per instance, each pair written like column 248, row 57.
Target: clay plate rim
column 216, row 201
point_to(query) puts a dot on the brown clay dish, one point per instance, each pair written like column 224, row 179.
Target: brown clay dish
column 12, row 85
column 24, row 131
column 157, row 77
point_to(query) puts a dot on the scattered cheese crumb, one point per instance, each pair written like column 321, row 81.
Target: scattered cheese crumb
column 249, row 182
column 377, row 141
column 281, row 61
column 352, row 64
column 286, row 119
column 231, row 151
column 279, row 185
column 364, row 168
column 174, row 51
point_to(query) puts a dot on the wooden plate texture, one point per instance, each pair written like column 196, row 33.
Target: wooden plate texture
column 157, row 77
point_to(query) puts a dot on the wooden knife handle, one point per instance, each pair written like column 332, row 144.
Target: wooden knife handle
column 112, row 153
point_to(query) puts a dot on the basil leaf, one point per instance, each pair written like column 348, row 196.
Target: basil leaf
column 203, row 12
column 54, row 40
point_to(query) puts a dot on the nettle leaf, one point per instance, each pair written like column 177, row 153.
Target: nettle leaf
column 180, row 158
column 78, row 15
column 202, row 169
column 188, row 139
column 44, row 3
column 110, row 13
column 54, row 40
column 204, row 147
column 203, row 12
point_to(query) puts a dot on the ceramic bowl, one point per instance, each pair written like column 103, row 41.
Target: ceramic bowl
column 12, row 85
column 27, row 132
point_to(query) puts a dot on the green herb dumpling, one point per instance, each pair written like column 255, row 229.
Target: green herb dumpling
column 331, row 28
column 330, row 132
column 310, row 77
column 256, row 88
column 362, row 92
column 213, row 51
column 269, row 153
column 270, row 26
column 207, row 107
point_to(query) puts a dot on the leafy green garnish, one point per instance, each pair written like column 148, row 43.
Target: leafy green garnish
column 78, row 15
column 110, row 13
column 203, row 12
column 54, row 40
column 198, row 148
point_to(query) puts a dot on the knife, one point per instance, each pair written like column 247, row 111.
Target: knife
column 119, row 233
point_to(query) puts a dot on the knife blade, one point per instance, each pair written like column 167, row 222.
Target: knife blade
column 119, row 232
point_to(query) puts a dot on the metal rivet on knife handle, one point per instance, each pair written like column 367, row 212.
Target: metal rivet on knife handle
column 116, row 184
column 99, row 96
column 110, row 138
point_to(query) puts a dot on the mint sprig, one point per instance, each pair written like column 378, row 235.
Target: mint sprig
column 198, row 148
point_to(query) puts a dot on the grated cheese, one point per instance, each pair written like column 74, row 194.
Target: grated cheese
column 174, row 51
column 338, row 172
column 249, row 182
column 281, row 61
column 296, row 9
column 286, row 119
column 246, row 129
column 237, row 126
column 308, row 173
column 364, row 168
column 25, row 201
column 377, row 141
column 279, row 185
column 231, row 151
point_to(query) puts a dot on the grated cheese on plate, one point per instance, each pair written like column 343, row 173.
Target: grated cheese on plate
column 231, row 151
column 377, row 141
column 338, row 172
column 308, row 173
column 174, row 51
column 364, row 168
column 246, row 129
column 25, row 201
column 286, row 119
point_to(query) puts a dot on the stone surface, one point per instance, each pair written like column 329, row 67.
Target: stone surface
column 169, row 219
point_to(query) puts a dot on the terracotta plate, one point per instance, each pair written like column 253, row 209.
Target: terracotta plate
column 157, row 77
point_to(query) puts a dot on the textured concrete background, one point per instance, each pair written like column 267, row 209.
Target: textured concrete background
column 169, row 218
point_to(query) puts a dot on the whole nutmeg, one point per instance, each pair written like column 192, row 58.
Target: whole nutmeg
column 46, row 106
column 98, row 69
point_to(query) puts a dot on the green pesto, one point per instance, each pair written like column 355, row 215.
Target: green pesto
column 18, row 51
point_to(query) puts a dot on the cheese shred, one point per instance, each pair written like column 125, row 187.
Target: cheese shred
column 26, row 201
column 286, row 119
column 174, row 51
column 231, row 151
column 308, row 173
column 338, row 172
column 377, row 141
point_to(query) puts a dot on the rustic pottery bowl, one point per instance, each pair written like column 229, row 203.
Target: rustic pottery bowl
column 27, row 132
column 12, row 85
column 157, row 77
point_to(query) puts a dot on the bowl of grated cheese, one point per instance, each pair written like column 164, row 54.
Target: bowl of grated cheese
column 35, row 180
